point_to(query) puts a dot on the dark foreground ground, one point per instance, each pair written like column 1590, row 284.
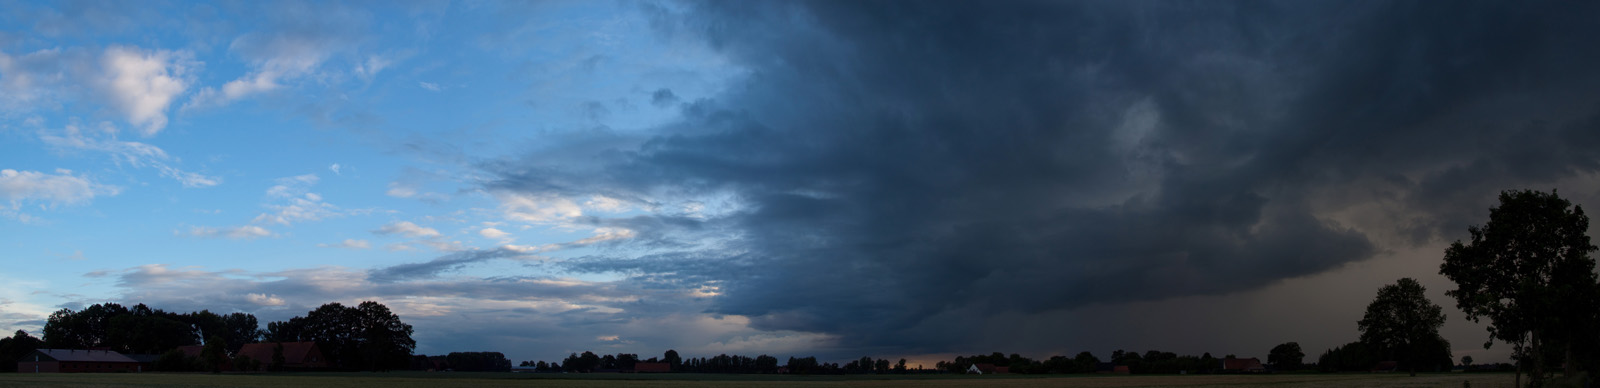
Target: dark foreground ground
column 466, row 379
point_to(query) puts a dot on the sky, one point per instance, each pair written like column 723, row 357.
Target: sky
column 914, row 179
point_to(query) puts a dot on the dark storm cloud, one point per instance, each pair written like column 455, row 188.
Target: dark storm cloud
column 899, row 160
column 663, row 98
column 438, row 265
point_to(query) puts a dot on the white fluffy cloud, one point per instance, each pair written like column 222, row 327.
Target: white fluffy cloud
column 139, row 84
column 493, row 233
column 142, row 84
column 264, row 299
column 533, row 208
column 49, row 190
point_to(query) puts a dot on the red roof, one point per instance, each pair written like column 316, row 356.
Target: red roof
column 83, row 355
column 1242, row 364
column 192, row 350
column 652, row 367
column 295, row 354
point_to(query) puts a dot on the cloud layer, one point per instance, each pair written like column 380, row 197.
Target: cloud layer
column 894, row 162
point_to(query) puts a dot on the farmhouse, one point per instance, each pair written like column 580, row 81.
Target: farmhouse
column 76, row 361
column 198, row 351
column 296, row 355
column 652, row 367
column 1243, row 365
column 1109, row 368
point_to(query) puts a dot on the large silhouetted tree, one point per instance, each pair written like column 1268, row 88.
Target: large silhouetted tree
column 367, row 336
column 1403, row 324
column 1528, row 270
column 672, row 359
column 1286, row 356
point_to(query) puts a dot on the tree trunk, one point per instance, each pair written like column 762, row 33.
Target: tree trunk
column 1571, row 368
column 1536, row 375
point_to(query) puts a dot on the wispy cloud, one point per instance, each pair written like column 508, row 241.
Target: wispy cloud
column 349, row 243
column 298, row 204
column 408, row 229
column 136, row 154
column 246, row 232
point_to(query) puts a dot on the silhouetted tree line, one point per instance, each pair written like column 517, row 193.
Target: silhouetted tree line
column 477, row 362
column 365, row 337
column 1361, row 357
column 143, row 330
column 589, row 362
column 1153, row 361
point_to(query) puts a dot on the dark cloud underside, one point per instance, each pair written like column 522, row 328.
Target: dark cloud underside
column 898, row 160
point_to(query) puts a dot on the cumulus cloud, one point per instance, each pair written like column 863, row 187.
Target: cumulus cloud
column 143, row 84
column 139, row 84
column 1153, row 151
column 542, row 208
column 60, row 188
column 246, row 232
column 493, row 233
column 48, row 190
column 408, row 229
column 264, row 299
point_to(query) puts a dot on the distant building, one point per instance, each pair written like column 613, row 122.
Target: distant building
column 1243, row 365
column 1110, row 368
column 987, row 369
column 652, row 367
column 195, row 351
column 1386, row 366
column 76, row 361
column 296, row 355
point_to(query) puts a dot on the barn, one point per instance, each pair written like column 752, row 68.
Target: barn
column 76, row 361
column 1243, row 365
column 296, row 355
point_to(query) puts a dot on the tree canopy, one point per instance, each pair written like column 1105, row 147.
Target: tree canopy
column 1529, row 272
column 366, row 337
column 1402, row 323
column 1286, row 356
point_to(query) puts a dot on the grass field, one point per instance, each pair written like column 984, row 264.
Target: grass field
column 421, row 379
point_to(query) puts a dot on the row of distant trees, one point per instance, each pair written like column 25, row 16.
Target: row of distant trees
column 367, row 336
column 723, row 363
